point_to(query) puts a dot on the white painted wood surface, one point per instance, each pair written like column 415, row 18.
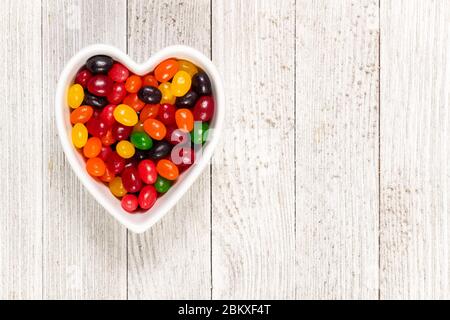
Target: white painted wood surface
column 331, row 180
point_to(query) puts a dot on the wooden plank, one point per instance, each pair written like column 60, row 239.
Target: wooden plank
column 21, row 140
column 84, row 247
column 253, row 241
column 415, row 130
column 172, row 260
column 337, row 149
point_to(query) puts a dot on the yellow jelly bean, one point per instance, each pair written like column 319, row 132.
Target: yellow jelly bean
column 75, row 96
column 187, row 66
column 125, row 115
column 181, row 83
column 116, row 187
column 125, row 149
column 167, row 96
column 79, row 135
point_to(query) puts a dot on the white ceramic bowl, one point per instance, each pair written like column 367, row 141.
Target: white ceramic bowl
column 137, row 222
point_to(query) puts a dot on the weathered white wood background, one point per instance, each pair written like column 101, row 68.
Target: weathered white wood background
column 332, row 181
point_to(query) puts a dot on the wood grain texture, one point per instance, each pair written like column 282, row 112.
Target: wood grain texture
column 172, row 260
column 253, row 239
column 415, row 130
column 337, row 149
column 21, row 140
column 84, row 247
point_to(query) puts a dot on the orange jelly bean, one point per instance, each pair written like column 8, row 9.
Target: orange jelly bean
column 166, row 70
column 150, row 80
column 133, row 84
column 133, row 101
column 92, row 147
column 95, row 167
column 155, row 128
column 108, row 176
column 167, row 169
column 149, row 111
column 184, row 119
column 108, row 138
column 81, row 114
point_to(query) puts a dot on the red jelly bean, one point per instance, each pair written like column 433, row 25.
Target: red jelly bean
column 120, row 132
column 117, row 93
column 176, row 136
column 203, row 109
column 83, row 77
column 97, row 127
column 147, row 197
column 115, row 163
column 108, row 176
column 105, row 153
column 108, row 138
column 130, row 179
column 149, row 111
column 118, row 72
column 147, row 171
column 100, row 85
column 167, row 114
column 129, row 203
column 107, row 114
column 183, row 157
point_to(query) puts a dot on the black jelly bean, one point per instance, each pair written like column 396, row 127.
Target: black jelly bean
column 141, row 155
column 93, row 100
column 160, row 150
column 99, row 64
column 188, row 100
column 150, row 95
column 201, row 84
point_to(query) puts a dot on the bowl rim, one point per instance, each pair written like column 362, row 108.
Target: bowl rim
column 138, row 223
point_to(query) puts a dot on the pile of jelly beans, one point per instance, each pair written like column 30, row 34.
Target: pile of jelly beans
column 139, row 133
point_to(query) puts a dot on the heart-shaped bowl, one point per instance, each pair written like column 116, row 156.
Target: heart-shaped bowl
column 137, row 222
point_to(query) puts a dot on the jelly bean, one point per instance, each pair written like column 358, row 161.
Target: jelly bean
column 200, row 132
column 183, row 156
column 147, row 171
column 150, row 80
column 130, row 179
column 129, row 203
column 160, row 150
column 140, row 155
column 188, row 100
column 155, row 128
column 107, row 115
column 116, row 187
column 79, row 135
column 105, row 153
column 100, row 85
column 149, row 111
column 184, row 119
column 108, row 138
column 97, row 127
column 147, row 197
column 118, row 72
column 204, row 109
column 166, row 114
column 201, row 84
column 99, row 64
column 181, row 83
column 166, row 93
column 117, row 93
column 92, row 147
column 138, row 127
column 166, row 70
column 81, row 114
column 141, row 140
column 162, row 184
column 75, row 96
column 125, row 115
column 95, row 167
column 120, row 132
column 131, row 162
column 95, row 101
column 133, row 84
column 133, row 101
column 83, row 77
column 150, row 95
column 187, row 66
column 125, row 149
column 108, row 176
column 115, row 163
column 167, row 169
column 176, row 136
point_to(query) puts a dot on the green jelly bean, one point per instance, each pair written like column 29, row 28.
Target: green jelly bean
column 141, row 140
column 162, row 184
column 200, row 132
